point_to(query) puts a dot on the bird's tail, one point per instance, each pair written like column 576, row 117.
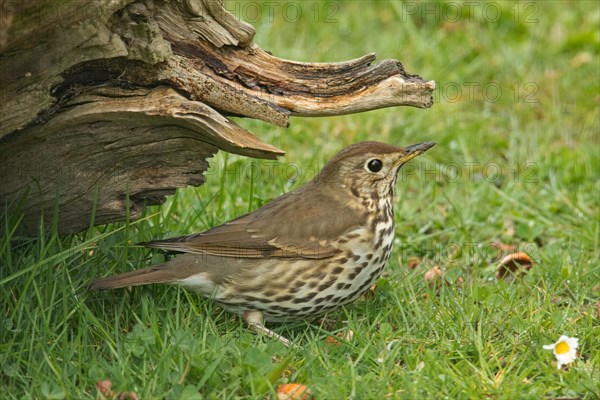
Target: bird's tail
column 154, row 274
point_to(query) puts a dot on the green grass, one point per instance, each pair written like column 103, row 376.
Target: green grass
column 521, row 167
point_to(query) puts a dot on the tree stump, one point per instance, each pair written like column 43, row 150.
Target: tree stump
column 111, row 107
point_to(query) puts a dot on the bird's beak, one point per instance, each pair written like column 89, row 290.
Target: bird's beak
column 411, row 152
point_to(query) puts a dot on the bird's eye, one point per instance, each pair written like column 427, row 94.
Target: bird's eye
column 374, row 165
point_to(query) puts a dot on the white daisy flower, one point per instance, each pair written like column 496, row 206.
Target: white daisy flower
column 565, row 350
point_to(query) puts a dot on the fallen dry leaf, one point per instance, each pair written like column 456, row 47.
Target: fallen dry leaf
column 598, row 309
column 513, row 264
column 91, row 252
column 105, row 388
column 293, row 391
column 106, row 392
column 335, row 340
column 435, row 277
column 413, row 263
column 332, row 341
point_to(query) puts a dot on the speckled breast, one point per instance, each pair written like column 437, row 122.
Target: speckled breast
column 314, row 287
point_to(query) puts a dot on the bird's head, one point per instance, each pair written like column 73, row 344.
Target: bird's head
column 369, row 169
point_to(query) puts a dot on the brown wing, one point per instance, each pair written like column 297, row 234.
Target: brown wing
column 288, row 227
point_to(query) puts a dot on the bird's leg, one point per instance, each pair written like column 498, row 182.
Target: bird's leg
column 255, row 321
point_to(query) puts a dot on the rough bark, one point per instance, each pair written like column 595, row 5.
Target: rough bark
column 109, row 105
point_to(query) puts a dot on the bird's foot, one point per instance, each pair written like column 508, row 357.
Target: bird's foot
column 255, row 321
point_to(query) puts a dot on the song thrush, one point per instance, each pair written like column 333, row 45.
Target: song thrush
column 301, row 255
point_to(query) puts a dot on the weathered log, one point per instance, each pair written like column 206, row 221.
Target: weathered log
column 108, row 108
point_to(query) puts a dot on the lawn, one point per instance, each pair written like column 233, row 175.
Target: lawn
column 516, row 119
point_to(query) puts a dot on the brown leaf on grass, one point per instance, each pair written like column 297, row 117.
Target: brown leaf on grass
column 105, row 392
column 598, row 305
column 413, row 263
column 332, row 341
column 105, row 388
column 514, row 264
column 293, row 391
column 435, row 278
column 335, row 340
column 91, row 251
